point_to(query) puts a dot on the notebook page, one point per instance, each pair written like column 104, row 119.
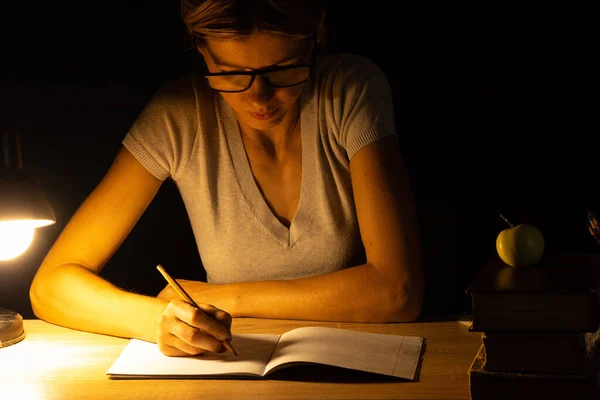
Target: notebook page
column 391, row 355
column 143, row 359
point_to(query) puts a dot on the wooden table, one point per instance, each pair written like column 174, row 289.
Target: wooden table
column 53, row 362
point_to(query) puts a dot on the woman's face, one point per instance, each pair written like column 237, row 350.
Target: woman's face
column 261, row 107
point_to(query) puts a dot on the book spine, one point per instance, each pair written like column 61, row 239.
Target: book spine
column 524, row 352
column 530, row 312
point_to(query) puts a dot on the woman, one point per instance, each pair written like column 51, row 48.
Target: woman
column 288, row 165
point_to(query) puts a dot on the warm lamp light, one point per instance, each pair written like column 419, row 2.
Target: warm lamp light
column 23, row 208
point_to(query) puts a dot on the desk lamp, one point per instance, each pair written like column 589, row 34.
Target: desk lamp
column 23, row 208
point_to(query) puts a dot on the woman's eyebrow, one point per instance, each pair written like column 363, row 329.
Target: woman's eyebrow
column 225, row 64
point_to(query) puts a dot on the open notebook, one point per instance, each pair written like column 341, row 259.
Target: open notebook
column 261, row 354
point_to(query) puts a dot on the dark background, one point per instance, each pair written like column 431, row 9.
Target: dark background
column 492, row 117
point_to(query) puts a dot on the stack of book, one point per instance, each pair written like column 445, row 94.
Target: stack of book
column 539, row 328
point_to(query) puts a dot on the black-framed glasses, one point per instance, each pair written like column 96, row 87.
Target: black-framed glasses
column 278, row 77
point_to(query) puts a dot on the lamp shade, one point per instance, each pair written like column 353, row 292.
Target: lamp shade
column 21, row 199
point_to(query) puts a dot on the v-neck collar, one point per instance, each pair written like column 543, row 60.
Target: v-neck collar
column 285, row 236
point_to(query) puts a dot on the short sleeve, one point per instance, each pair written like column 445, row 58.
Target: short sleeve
column 162, row 135
column 361, row 102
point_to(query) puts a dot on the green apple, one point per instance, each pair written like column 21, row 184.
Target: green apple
column 521, row 245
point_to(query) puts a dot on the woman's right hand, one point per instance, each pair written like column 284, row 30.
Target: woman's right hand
column 184, row 330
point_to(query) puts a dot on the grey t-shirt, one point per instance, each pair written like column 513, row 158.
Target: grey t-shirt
column 188, row 133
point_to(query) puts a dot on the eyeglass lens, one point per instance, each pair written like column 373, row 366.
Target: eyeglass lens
column 282, row 78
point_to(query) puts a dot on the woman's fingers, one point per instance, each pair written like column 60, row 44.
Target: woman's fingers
column 172, row 345
column 186, row 330
column 223, row 317
column 200, row 319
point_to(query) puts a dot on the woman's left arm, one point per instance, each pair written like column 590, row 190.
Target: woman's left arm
column 389, row 287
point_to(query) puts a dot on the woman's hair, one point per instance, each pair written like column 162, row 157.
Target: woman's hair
column 236, row 19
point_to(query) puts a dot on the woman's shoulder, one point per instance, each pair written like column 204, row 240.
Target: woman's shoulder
column 348, row 78
column 347, row 67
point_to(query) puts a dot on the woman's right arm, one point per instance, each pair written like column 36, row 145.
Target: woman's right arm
column 67, row 290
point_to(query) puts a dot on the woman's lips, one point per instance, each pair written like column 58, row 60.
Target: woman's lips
column 264, row 116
